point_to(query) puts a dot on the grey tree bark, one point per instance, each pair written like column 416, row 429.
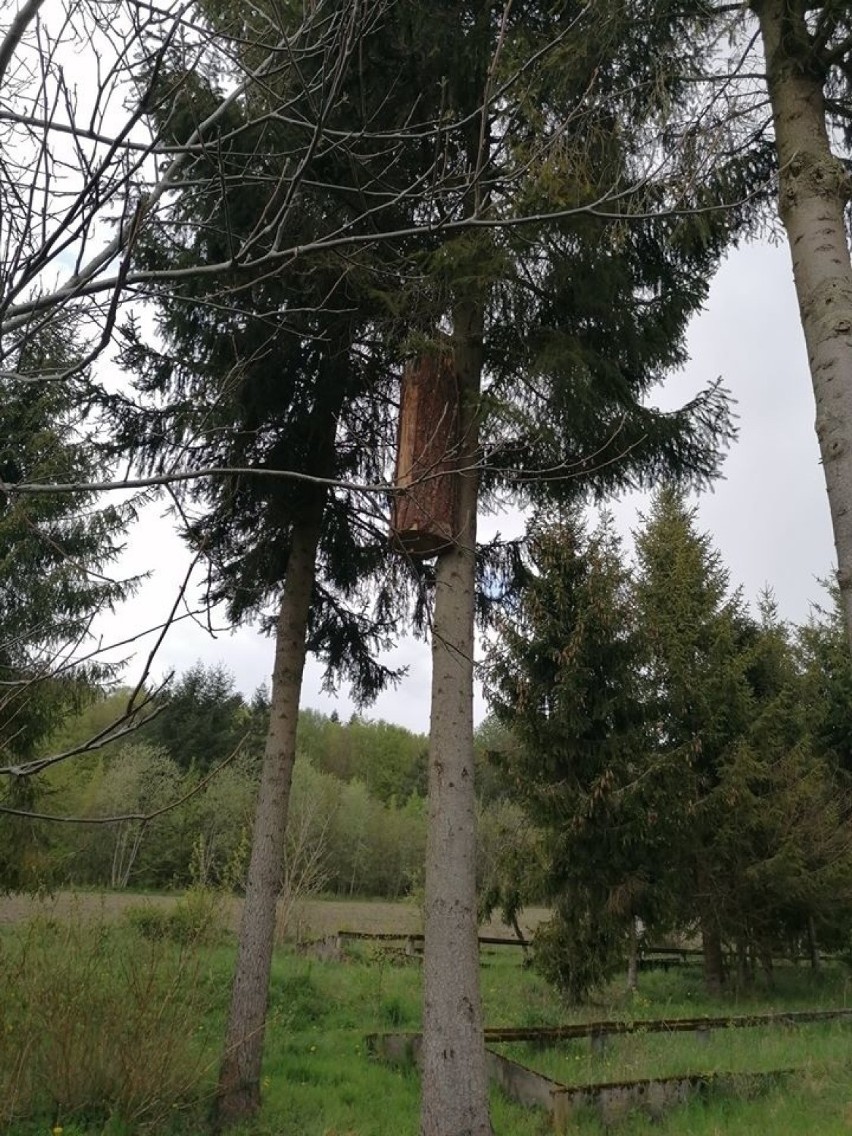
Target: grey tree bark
column 238, row 1090
column 455, row 1083
column 814, row 188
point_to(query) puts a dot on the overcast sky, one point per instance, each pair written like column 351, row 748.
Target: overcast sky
column 768, row 516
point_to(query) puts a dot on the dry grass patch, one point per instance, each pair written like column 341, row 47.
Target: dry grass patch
column 315, row 917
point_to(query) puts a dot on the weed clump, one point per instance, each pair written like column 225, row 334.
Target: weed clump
column 97, row 1024
column 196, row 918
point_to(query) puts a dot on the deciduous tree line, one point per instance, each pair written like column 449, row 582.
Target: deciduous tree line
column 359, row 817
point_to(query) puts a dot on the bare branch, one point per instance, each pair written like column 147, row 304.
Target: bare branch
column 115, row 731
column 143, row 818
column 15, row 34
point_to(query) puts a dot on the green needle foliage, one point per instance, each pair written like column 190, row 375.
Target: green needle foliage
column 585, row 311
column 286, row 370
column 55, row 549
column 202, row 719
column 566, row 678
column 671, row 749
column 696, row 682
column 824, row 657
column 295, row 370
column 764, row 819
column 56, row 553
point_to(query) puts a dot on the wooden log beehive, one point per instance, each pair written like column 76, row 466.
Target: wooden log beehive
column 424, row 512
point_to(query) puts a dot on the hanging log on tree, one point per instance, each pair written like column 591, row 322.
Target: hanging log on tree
column 424, row 520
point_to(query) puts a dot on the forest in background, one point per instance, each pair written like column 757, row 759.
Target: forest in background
column 358, row 812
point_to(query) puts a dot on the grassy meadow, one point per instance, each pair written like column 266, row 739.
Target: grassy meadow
column 112, row 1026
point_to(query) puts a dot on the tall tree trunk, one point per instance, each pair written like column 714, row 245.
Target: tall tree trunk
column 711, row 938
column 764, row 952
column 238, row 1091
column 455, row 1083
column 814, row 187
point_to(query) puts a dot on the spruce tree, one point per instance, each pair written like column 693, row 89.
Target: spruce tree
column 559, row 330
column 56, row 556
column 666, row 744
column 201, row 719
column 273, row 372
column 56, row 549
column 697, row 690
column 824, row 658
column 790, row 877
column 786, row 79
column 825, row 699
column 808, row 75
column 565, row 677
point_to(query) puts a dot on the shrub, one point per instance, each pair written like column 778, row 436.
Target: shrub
column 577, row 952
column 97, row 1024
column 150, row 922
column 195, row 918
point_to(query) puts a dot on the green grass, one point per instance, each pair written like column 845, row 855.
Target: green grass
column 810, row 1105
column 319, row 1079
column 680, row 993
column 813, row 1048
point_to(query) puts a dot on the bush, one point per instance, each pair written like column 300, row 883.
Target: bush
column 153, row 923
column 577, row 952
column 97, row 1024
column 195, row 918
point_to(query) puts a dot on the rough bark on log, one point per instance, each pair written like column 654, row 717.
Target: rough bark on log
column 424, row 516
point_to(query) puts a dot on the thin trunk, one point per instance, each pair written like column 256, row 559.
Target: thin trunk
column 765, row 954
column 813, row 945
column 711, row 939
column 238, row 1091
column 714, row 964
column 17, row 28
column 633, row 958
column 455, row 1085
column 814, row 188
column 115, row 873
column 516, row 927
column 126, row 850
column 742, row 964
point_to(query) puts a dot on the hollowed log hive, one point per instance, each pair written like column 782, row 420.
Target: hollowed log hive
column 424, row 511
